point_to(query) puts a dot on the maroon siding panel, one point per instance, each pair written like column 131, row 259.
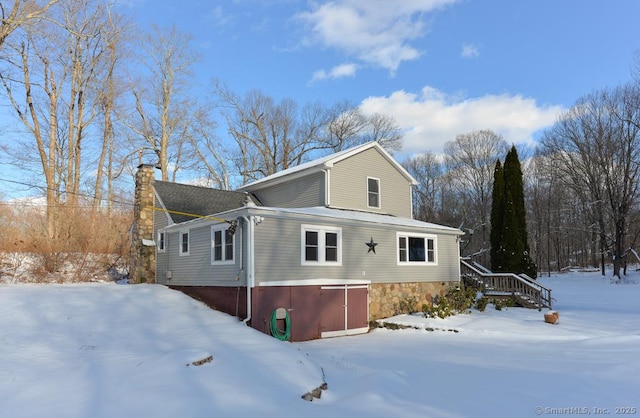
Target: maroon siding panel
column 231, row 300
column 306, row 306
column 264, row 301
column 332, row 314
column 357, row 304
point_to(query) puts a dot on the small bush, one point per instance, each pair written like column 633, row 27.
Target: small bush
column 481, row 304
column 504, row 303
column 455, row 301
column 405, row 306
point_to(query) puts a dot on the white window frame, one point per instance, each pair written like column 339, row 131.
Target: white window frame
column 181, row 242
column 222, row 228
column 322, row 230
column 426, row 238
column 162, row 241
column 379, row 193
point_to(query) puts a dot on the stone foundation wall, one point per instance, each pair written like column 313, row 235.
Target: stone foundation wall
column 385, row 297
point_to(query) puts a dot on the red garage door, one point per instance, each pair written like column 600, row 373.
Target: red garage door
column 345, row 310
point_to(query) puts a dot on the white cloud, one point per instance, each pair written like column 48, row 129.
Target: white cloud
column 339, row 71
column 218, row 16
column 469, row 51
column 431, row 118
column 377, row 32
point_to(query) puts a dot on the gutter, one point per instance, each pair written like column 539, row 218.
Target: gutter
column 250, row 278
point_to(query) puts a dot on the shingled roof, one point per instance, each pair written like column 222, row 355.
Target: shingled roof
column 196, row 200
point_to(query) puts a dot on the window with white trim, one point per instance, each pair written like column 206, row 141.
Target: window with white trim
column 161, row 242
column 373, row 192
column 417, row 248
column 321, row 245
column 222, row 245
column 184, row 242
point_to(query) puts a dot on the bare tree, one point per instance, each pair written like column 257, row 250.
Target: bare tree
column 109, row 90
column 427, row 169
column 270, row 136
column 50, row 83
column 21, row 13
column 162, row 102
column 345, row 126
column 596, row 146
column 385, row 130
column 86, row 27
column 213, row 160
column 470, row 159
column 348, row 127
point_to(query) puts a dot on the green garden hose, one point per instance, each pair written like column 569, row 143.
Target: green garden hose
column 282, row 335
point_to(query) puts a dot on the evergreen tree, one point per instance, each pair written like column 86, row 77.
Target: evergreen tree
column 514, row 184
column 497, row 219
column 509, row 243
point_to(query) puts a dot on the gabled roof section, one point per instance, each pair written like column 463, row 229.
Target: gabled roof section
column 324, row 163
column 196, row 200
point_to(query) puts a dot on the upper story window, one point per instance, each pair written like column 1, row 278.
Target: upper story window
column 222, row 244
column 321, row 245
column 161, row 242
column 373, row 192
column 417, row 248
column 184, row 242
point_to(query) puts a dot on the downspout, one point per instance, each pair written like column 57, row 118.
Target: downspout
column 250, row 279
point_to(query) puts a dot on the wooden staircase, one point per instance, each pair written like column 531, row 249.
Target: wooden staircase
column 525, row 291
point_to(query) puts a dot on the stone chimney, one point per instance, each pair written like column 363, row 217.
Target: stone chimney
column 143, row 250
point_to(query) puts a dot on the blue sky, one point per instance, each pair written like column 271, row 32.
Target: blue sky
column 439, row 67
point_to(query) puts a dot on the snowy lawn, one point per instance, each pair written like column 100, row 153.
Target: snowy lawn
column 107, row 350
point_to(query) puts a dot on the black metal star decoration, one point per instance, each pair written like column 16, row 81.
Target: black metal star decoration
column 371, row 245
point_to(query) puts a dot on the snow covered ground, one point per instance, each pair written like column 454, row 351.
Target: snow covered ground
column 109, row 350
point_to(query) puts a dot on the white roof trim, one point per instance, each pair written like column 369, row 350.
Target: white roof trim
column 324, row 163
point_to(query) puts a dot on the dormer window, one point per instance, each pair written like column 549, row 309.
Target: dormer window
column 373, row 192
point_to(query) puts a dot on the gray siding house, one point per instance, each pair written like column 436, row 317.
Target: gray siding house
column 331, row 241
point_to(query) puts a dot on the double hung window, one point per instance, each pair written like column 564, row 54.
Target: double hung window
column 222, row 245
column 373, row 192
column 184, row 242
